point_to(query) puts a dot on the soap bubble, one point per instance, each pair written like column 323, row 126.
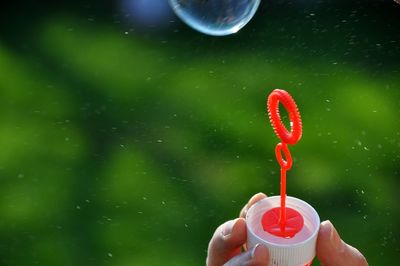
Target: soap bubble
column 215, row 17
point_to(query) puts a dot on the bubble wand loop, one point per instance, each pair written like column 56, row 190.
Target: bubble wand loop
column 286, row 137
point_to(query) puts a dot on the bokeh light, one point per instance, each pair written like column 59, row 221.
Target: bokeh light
column 147, row 13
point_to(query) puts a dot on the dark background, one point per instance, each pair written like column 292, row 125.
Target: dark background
column 127, row 142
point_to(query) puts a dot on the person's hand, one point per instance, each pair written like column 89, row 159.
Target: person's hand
column 332, row 251
column 225, row 247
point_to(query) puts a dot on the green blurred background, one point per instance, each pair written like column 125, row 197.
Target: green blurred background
column 127, row 142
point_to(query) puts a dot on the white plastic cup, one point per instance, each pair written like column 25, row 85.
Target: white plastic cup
column 299, row 250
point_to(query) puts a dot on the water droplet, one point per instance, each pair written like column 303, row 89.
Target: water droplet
column 215, row 17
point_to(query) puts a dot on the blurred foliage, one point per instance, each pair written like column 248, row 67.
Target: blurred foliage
column 123, row 146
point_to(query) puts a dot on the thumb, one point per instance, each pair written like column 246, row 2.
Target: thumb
column 332, row 251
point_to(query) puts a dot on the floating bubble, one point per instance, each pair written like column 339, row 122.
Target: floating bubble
column 215, row 17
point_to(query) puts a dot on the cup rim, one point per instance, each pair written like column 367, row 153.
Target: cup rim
column 311, row 237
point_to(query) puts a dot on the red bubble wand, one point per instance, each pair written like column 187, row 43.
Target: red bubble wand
column 282, row 221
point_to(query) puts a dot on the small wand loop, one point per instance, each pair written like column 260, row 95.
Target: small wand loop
column 286, row 137
column 285, row 164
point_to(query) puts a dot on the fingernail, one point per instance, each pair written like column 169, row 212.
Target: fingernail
column 256, row 195
column 253, row 199
column 254, row 250
column 228, row 227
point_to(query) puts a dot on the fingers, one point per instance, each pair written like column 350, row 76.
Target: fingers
column 332, row 251
column 254, row 199
column 226, row 242
column 257, row 256
column 229, row 238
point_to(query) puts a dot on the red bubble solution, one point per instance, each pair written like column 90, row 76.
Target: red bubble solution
column 283, row 221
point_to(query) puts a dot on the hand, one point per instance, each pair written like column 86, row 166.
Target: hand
column 225, row 247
